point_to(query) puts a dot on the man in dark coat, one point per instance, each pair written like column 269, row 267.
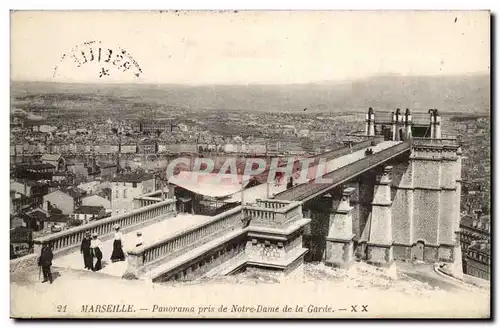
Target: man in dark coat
column 45, row 261
column 87, row 252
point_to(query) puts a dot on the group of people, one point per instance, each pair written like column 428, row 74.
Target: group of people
column 369, row 151
column 91, row 249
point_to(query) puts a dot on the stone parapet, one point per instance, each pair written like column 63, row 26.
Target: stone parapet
column 67, row 240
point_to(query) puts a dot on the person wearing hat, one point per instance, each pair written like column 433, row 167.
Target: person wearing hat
column 96, row 246
column 139, row 239
column 88, row 260
column 45, row 261
column 117, row 254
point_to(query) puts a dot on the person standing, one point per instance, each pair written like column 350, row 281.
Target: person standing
column 45, row 261
column 117, row 254
column 96, row 247
column 88, row 260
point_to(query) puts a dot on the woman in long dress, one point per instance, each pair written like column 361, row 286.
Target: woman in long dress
column 87, row 252
column 96, row 247
column 117, row 254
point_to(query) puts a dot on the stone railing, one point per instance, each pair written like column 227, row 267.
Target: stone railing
column 264, row 215
column 434, row 142
column 273, row 217
column 271, row 203
column 73, row 237
column 342, row 151
column 306, row 190
column 180, row 243
column 148, row 199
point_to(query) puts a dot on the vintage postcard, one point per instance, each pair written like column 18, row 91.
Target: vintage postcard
column 250, row 164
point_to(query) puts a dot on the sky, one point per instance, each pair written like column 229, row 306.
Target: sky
column 250, row 47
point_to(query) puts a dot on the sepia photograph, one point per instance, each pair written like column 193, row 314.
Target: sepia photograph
column 293, row 164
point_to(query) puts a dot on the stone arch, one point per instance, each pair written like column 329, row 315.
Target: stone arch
column 417, row 250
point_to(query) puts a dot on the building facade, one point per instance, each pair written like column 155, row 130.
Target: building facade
column 478, row 260
column 125, row 187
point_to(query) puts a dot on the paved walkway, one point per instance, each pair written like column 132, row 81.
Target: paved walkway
column 30, row 298
column 150, row 234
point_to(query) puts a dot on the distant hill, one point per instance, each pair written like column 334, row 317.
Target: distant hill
column 457, row 94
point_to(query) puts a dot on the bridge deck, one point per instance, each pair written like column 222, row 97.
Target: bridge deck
column 343, row 168
column 260, row 191
column 150, row 234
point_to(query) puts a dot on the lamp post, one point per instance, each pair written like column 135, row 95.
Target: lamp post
column 267, row 189
column 242, row 190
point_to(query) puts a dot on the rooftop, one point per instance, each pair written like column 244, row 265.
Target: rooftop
column 87, row 209
column 34, row 166
column 209, row 184
column 132, row 177
column 74, row 192
column 51, row 157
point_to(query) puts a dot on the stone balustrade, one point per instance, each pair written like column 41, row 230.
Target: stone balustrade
column 271, row 203
column 140, row 257
column 274, row 213
column 148, row 199
column 435, row 142
column 264, row 215
column 74, row 236
column 355, row 145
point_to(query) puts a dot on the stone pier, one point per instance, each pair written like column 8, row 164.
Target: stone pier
column 380, row 243
column 339, row 242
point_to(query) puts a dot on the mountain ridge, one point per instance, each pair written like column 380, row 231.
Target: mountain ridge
column 452, row 93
